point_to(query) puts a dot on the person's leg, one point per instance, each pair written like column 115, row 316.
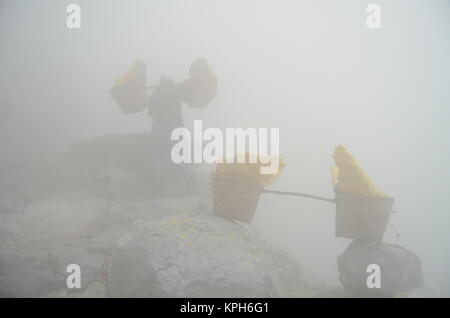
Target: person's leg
column 169, row 177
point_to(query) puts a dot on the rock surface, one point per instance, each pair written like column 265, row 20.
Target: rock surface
column 164, row 247
column 201, row 255
column 29, row 283
column 53, row 231
column 401, row 270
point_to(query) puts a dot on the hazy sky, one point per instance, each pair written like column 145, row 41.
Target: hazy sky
column 311, row 68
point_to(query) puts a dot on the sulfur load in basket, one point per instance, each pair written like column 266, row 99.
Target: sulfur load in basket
column 237, row 187
column 362, row 211
column 201, row 88
column 129, row 90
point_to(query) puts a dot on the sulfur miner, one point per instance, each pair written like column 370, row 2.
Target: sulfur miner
column 164, row 106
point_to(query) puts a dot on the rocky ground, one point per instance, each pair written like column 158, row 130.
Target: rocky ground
column 166, row 247
column 85, row 208
column 94, row 206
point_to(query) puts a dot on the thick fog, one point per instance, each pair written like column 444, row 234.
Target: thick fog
column 310, row 68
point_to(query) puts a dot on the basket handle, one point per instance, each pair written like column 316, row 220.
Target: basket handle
column 299, row 195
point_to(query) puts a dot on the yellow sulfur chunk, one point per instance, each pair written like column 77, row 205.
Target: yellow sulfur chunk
column 334, row 175
column 348, row 176
column 135, row 73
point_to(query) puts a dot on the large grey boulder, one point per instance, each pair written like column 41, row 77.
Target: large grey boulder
column 401, row 270
column 38, row 244
column 201, row 255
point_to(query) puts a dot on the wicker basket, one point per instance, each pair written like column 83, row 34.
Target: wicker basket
column 235, row 197
column 362, row 217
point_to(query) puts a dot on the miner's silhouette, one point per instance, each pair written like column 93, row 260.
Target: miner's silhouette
column 164, row 106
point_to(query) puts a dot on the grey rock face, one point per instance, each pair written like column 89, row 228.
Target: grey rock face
column 401, row 269
column 37, row 245
column 94, row 290
column 74, row 207
column 201, row 255
column 423, row 292
column 29, row 283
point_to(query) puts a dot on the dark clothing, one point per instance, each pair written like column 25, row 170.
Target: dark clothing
column 165, row 108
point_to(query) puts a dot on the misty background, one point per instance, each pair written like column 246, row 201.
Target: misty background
column 311, row 68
